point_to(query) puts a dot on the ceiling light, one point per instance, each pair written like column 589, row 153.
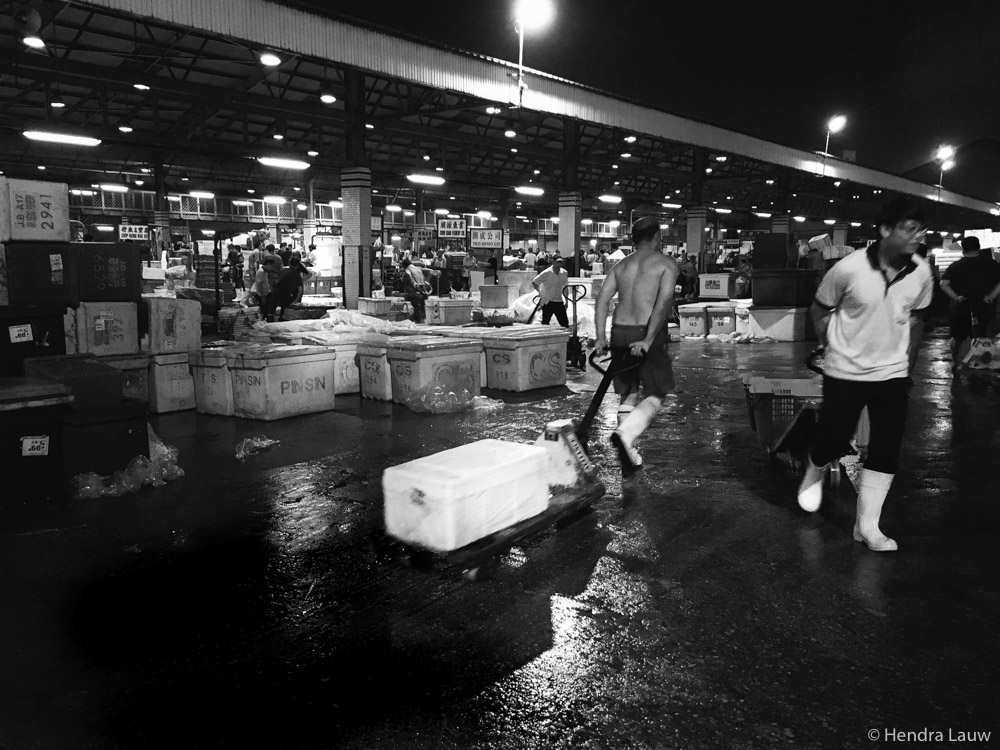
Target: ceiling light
column 829, row 221
column 184, row 178
column 513, row 150
column 114, row 188
column 630, row 139
column 275, row 200
column 493, row 110
column 72, row 140
column 242, row 203
column 104, row 227
column 327, row 98
column 799, row 218
column 608, row 198
column 41, row 167
column 721, row 158
column 664, row 226
column 140, row 183
column 369, row 126
column 425, row 179
column 393, row 207
column 75, row 191
column 614, row 223
column 708, row 170
column 554, row 219
column 614, row 166
column 203, row 194
column 529, row 190
column 454, row 216
column 537, row 171
column 272, row 161
column 208, row 232
column 312, row 152
column 336, row 204
column 626, row 155
column 35, row 42
column 510, row 133
column 270, row 59
column 301, row 206
column 484, row 214
column 586, row 222
column 441, row 211
column 407, row 213
column 173, row 197
column 56, row 101
column 762, row 215
column 427, row 157
column 251, row 191
column 124, row 129
column 671, row 205
column 438, row 169
column 278, row 137
column 855, row 223
column 140, row 87
column 723, row 210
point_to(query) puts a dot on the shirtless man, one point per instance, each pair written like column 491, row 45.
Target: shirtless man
column 644, row 283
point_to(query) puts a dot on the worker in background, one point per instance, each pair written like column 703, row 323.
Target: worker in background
column 644, row 282
column 530, row 259
column 287, row 290
column 550, row 284
column 469, row 263
column 868, row 317
column 415, row 289
column 973, row 285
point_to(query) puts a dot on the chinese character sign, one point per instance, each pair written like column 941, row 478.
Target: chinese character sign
column 451, row 229
column 486, row 238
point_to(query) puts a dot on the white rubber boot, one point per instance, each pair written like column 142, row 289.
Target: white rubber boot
column 872, row 489
column 630, row 428
column 811, row 487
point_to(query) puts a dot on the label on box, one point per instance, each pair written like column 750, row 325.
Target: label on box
column 55, row 262
column 20, row 334
column 35, row 445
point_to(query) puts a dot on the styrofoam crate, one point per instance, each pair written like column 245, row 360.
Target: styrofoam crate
column 373, row 372
column 779, row 323
column 104, row 328
column 34, row 211
column 526, row 362
column 274, row 382
column 721, row 319
column 450, row 499
column 171, row 387
column 693, row 320
column 491, row 297
column 174, row 324
column 419, row 364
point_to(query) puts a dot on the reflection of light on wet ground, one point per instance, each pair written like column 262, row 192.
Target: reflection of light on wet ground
column 515, row 558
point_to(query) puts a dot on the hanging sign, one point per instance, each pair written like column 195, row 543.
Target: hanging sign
column 486, row 238
column 133, row 232
column 451, row 229
column 423, row 234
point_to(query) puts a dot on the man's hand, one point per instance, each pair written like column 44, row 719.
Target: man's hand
column 639, row 348
column 600, row 345
column 959, row 298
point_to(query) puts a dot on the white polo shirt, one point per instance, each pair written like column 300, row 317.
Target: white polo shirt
column 868, row 337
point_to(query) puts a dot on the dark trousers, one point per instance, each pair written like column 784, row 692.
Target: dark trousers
column 555, row 308
column 276, row 300
column 887, row 402
column 419, row 308
column 961, row 319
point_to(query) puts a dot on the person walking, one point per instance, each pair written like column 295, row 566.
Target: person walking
column 973, row 285
column 868, row 319
column 644, row 283
column 550, row 284
column 415, row 289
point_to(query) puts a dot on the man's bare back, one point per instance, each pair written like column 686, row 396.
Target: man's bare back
column 639, row 280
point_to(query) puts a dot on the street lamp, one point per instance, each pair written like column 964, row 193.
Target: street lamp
column 834, row 125
column 528, row 14
column 946, row 156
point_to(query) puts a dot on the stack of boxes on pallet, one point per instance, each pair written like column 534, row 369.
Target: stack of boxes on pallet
column 781, row 292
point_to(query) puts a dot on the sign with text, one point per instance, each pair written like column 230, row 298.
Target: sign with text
column 451, row 229
column 486, row 238
column 423, row 234
column 133, row 232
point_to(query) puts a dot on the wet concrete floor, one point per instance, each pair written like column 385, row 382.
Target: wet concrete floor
column 260, row 604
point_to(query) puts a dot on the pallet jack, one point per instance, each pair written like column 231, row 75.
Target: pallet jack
column 575, row 356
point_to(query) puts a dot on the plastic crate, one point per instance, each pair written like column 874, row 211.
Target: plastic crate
column 773, row 404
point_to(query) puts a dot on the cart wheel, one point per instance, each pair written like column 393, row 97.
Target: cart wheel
column 483, row 572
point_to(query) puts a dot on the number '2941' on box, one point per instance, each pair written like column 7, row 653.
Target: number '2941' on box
column 34, row 211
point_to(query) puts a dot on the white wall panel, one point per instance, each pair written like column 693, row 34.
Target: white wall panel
column 264, row 24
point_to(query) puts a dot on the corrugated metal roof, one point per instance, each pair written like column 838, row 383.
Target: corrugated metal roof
column 270, row 25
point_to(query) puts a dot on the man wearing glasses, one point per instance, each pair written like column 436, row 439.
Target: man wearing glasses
column 867, row 315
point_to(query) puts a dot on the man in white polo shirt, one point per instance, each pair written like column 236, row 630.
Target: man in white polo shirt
column 867, row 315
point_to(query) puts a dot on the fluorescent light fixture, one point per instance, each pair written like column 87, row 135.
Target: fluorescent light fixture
column 275, row 200
column 554, row 219
column 614, row 223
column 301, row 206
column 273, row 161
column 438, row 169
column 664, row 226
column 454, row 216
column 396, row 238
column 278, row 137
column 140, row 182
column 855, row 223
column 721, row 158
column 327, row 98
column 762, row 215
column 630, row 139
column 769, row 182
column 723, row 210
column 626, row 155
column 111, row 187
column 369, row 126
column 312, row 152
column 82, row 192
column 441, row 211
column 493, row 110
column 608, row 198
column 124, row 129
column 336, row 204
column 140, row 87
column 586, row 222
column 671, row 205
column 41, row 167
column 204, row 194
column 519, row 216
column 407, row 213
column 484, row 214
column 510, row 133
column 35, row 42
column 208, row 232
column 799, row 219
column 829, row 221
column 243, row 203
column 71, row 140
column 173, row 197
column 425, row 179
column 708, row 170
column 513, row 150
column 393, row 207
column 532, row 242
column 270, row 59
column 529, row 190
column 104, row 227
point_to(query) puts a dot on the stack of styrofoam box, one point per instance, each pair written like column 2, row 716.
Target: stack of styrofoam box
column 174, row 333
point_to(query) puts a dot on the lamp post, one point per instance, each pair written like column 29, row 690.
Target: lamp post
column 946, row 157
column 834, row 125
column 530, row 14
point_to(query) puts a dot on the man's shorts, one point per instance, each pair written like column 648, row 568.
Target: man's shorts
column 655, row 374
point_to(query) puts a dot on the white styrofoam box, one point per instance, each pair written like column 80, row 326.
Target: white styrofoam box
column 596, row 282
column 274, row 382
column 34, row 211
column 171, row 387
column 373, row 372
column 107, row 328
column 743, row 317
column 135, row 374
column 448, row 312
column 479, row 333
column 491, row 297
column 693, row 319
column 721, row 319
column 779, row 323
column 520, row 280
column 525, row 361
column 174, row 324
column 213, row 383
column 453, row 498
column 374, row 306
column 716, row 285
column 69, row 331
column 419, row 364
column 820, row 241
